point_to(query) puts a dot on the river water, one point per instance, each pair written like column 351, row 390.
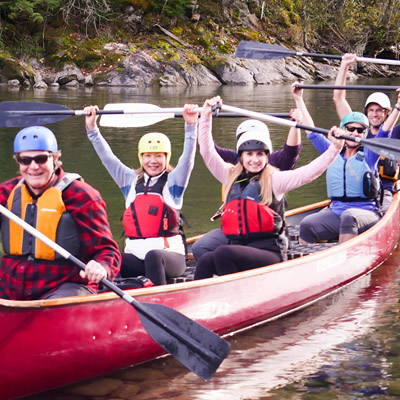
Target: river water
column 343, row 347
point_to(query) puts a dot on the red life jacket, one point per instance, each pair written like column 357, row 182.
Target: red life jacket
column 148, row 215
column 245, row 218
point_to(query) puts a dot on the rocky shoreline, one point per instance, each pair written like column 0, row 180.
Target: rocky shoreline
column 144, row 69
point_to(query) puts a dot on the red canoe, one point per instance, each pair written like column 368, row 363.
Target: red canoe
column 50, row 343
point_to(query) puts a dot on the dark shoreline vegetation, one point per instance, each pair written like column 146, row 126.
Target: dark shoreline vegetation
column 182, row 42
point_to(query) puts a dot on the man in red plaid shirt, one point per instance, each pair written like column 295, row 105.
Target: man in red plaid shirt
column 64, row 208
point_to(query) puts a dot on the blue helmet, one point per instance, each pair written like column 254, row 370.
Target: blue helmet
column 35, row 138
column 354, row 117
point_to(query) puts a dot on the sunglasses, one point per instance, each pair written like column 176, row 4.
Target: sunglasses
column 40, row 159
column 354, row 128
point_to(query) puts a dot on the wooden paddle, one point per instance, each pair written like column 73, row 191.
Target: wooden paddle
column 125, row 115
column 266, row 51
column 389, row 148
column 195, row 346
column 381, row 88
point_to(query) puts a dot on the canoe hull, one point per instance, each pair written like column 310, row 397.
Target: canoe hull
column 47, row 344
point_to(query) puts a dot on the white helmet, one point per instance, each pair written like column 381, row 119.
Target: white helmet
column 251, row 124
column 379, row 98
column 254, row 140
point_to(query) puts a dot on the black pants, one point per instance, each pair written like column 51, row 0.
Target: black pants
column 158, row 265
column 68, row 289
column 231, row 258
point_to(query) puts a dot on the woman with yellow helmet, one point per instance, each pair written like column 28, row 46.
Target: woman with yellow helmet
column 153, row 196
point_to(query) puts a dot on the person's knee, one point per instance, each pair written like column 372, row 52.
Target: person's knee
column 205, row 266
column 209, row 242
column 348, row 223
column 198, row 250
column 307, row 231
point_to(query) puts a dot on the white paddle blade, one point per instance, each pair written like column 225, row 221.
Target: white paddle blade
column 134, row 115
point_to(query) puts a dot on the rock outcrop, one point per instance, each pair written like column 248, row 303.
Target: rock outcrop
column 144, row 69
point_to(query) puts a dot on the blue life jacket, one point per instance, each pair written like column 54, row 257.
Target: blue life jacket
column 351, row 180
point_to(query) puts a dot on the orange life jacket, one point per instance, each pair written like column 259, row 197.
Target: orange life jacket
column 47, row 214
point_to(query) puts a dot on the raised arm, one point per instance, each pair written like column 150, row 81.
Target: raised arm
column 215, row 164
column 339, row 95
column 294, row 136
column 122, row 175
column 393, row 117
column 301, row 105
column 179, row 177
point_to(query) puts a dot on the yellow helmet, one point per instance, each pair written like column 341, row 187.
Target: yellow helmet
column 154, row 142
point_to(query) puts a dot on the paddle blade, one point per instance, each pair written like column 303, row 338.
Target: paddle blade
column 263, row 51
column 196, row 347
column 29, row 113
column 389, row 148
column 133, row 115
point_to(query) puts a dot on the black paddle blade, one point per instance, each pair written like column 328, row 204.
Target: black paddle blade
column 195, row 346
column 28, row 113
column 389, row 148
column 263, row 51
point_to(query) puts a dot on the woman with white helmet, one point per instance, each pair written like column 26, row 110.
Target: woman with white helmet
column 378, row 110
column 284, row 160
column 153, row 195
column 253, row 215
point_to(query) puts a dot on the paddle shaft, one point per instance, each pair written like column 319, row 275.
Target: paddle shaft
column 272, row 119
column 142, row 308
column 349, row 87
column 99, row 112
column 178, row 113
column 338, row 57
column 127, row 115
column 386, row 147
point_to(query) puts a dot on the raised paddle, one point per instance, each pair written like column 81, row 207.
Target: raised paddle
column 389, row 148
column 126, row 115
column 267, row 51
column 195, row 346
column 381, row 88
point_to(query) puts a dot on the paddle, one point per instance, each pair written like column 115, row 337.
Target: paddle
column 266, row 51
column 195, row 346
column 389, row 148
column 126, row 115
column 349, row 87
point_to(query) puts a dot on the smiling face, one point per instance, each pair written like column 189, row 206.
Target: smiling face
column 376, row 114
column 37, row 171
column 154, row 163
column 254, row 161
column 354, row 129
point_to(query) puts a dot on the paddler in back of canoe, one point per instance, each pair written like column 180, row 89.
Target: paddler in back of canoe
column 153, row 194
column 253, row 214
column 284, row 160
column 64, row 208
column 352, row 184
column 377, row 108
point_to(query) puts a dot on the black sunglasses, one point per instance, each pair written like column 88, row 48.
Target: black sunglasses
column 40, row 159
column 354, row 128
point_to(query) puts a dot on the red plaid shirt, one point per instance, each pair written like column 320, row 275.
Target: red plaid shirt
column 23, row 279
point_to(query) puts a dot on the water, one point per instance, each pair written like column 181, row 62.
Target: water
column 342, row 347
